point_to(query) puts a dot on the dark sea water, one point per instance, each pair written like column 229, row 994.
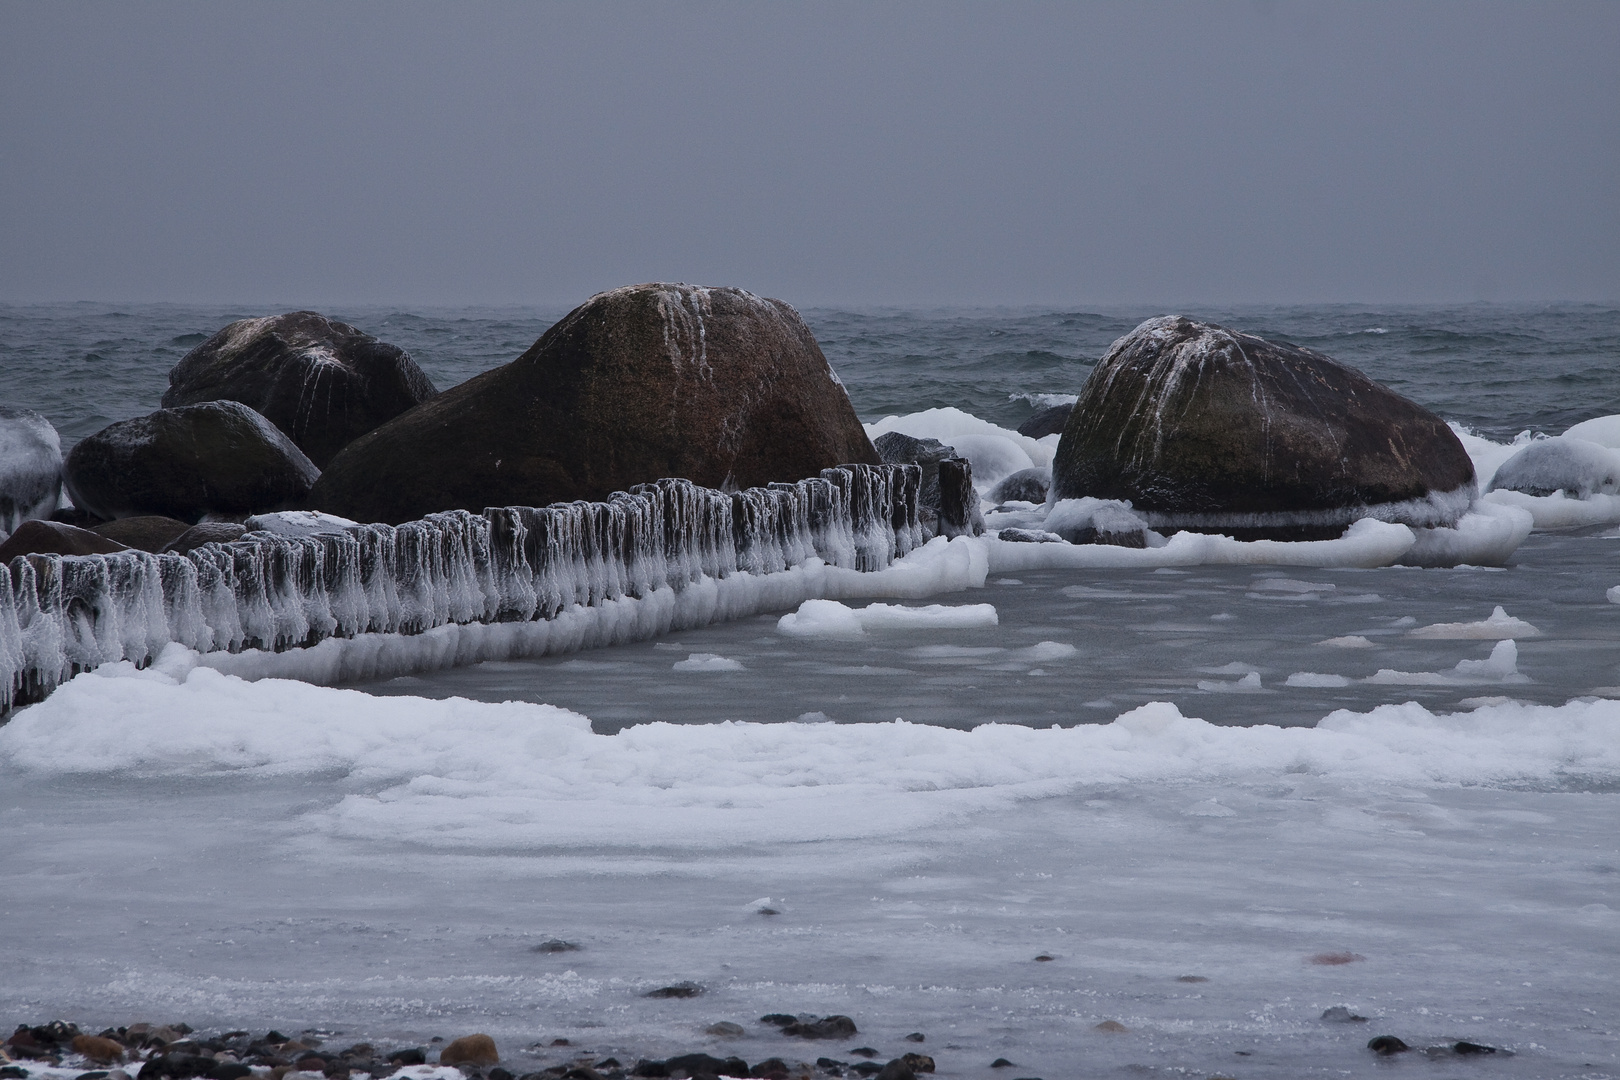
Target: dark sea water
column 1494, row 368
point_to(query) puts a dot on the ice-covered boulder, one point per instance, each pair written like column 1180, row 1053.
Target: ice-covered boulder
column 1025, row 485
column 1603, row 430
column 30, row 468
column 1204, row 428
column 947, row 495
column 323, row 383
column 1100, row 521
column 35, row 537
column 717, row 386
column 1578, row 468
column 220, row 457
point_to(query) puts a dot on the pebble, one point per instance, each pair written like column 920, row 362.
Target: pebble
column 677, row 990
column 864, row 1051
column 1111, row 1026
column 828, row 1027
column 916, row 1036
column 1001, row 1063
column 725, row 1029
column 1385, row 1045
column 556, row 945
column 1191, row 978
column 1338, row 1014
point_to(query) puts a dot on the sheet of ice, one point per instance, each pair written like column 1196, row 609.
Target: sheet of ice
column 1486, row 535
column 1497, row 626
column 1312, row 678
column 831, row 619
column 1347, row 641
column 1558, row 511
column 996, row 452
column 1367, row 543
column 1248, row 684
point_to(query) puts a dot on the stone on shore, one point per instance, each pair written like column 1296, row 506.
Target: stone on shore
column 718, row 386
column 470, row 1050
column 322, row 382
column 1200, row 427
column 220, row 457
column 54, row 538
column 152, row 533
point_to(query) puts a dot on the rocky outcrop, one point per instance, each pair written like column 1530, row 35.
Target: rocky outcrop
column 1201, row 427
column 1578, row 468
column 717, row 386
column 35, row 537
column 323, row 383
column 220, row 458
column 30, row 468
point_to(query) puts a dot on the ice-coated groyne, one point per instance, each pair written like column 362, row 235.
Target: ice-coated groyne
column 60, row 615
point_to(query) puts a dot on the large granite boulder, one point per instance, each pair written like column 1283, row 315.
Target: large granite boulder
column 1200, row 427
column 715, row 385
column 220, row 458
column 323, row 383
column 30, row 468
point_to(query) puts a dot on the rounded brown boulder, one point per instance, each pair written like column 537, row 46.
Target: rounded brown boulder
column 220, row 457
column 470, row 1050
column 718, row 386
column 1205, row 428
column 324, row 383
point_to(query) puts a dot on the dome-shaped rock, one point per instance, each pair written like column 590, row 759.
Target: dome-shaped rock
column 718, row 386
column 323, row 383
column 220, row 457
column 1201, row 427
column 35, row 537
column 1578, row 468
column 30, row 468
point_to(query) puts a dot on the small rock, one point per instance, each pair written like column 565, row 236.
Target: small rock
column 98, row 1049
column 831, row 1065
column 771, row 1069
column 725, row 1029
column 1029, row 536
column 916, row 1036
column 1112, row 1026
column 1049, row 421
column 561, row 1042
column 897, row 1070
column 779, row 1019
column 1338, row 1014
column 1001, row 1063
column 864, row 1051
column 229, row 1070
column 918, row 1062
column 555, row 945
column 1045, row 958
column 498, row 1073
column 35, row 537
column 1385, row 1045
column 149, row 532
column 412, row 1056
column 1472, row 1048
column 866, row 1068
column 470, row 1050
column 677, row 990
column 1334, row 959
column 706, row 1065
column 828, row 1027
column 13, row 1072
column 1191, row 978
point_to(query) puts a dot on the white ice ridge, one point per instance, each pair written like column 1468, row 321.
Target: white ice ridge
column 461, row 774
column 995, row 452
column 830, row 619
column 517, row 572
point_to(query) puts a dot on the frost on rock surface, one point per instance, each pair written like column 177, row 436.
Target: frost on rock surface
column 303, row 578
column 30, row 468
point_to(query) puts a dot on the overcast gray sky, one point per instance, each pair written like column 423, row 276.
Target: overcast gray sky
column 863, row 154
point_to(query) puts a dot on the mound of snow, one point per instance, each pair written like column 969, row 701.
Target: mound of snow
column 995, row 452
column 1603, row 430
column 830, row 619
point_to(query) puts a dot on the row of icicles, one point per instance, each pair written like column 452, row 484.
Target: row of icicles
column 62, row 615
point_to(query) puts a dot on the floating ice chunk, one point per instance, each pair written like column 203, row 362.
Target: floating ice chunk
column 300, row 523
column 1043, row 651
column 1249, row 684
column 830, row 619
column 1603, row 430
column 703, row 661
column 1348, row 641
column 1314, row 679
column 1613, row 594
column 1209, row 808
column 1500, row 667
column 1574, row 466
column 1499, row 626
